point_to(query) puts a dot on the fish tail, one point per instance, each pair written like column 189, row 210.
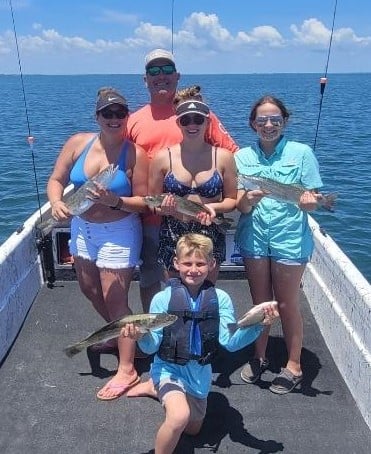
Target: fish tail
column 232, row 328
column 328, row 201
column 223, row 224
column 45, row 227
column 72, row 350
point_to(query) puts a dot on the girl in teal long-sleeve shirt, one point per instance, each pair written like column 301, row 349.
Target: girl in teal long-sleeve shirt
column 273, row 237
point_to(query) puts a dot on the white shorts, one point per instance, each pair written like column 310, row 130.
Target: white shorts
column 113, row 245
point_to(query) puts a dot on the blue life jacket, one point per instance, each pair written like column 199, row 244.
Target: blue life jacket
column 195, row 334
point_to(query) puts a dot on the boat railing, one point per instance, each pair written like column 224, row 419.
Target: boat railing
column 21, row 278
column 340, row 299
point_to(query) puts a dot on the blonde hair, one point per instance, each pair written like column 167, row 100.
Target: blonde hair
column 185, row 94
column 191, row 243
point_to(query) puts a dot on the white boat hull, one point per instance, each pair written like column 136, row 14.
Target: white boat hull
column 340, row 299
column 21, row 277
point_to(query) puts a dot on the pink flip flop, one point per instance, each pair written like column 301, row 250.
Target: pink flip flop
column 118, row 388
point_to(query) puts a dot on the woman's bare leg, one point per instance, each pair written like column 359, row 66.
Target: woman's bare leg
column 286, row 284
column 259, row 277
column 115, row 288
column 88, row 276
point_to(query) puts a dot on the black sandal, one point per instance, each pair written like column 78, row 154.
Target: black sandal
column 285, row 382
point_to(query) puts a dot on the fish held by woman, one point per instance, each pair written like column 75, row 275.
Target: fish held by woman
column 188, row 208
column 78, row 202
column 283, row 192
column 144, row 322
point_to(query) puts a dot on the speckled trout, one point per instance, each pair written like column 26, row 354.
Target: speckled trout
column 145, row 322
column 255, row 314
column 288, row 193
column 77, row 202
column 187, row 207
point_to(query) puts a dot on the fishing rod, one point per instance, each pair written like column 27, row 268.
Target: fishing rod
column 30, row 138
column 323, row 80
column 44, row 244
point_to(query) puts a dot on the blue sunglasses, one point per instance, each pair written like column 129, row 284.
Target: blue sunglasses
column 164, row 69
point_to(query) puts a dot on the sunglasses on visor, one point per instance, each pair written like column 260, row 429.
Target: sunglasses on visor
column 108, row 114
column 276, row 120
column 164, row 69
column 196, row 119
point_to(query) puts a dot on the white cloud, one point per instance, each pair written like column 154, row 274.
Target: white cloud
column 313, row 32
column 201, row 37
column 265, row 34
column 148, row 35
column 52, row 41
column 347, row 35
column 198, row 31
column 207, row 25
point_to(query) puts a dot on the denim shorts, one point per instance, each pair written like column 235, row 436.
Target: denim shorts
column 113, row 245
column 171, row 385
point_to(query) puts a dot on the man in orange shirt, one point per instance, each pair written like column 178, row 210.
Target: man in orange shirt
column 154, row 127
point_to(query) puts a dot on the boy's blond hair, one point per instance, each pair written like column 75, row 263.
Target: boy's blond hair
column 194, row 243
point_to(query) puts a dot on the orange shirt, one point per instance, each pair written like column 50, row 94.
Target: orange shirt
column 217, row 135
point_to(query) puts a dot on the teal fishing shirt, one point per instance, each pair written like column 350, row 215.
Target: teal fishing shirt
column 277, row 229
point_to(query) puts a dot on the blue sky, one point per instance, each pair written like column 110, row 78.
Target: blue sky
column 210, row 36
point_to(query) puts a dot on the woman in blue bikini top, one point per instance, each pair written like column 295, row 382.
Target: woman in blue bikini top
column 106, row 239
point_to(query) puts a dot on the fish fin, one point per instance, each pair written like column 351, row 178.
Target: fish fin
column 232, row 328
column 328, row 201
column 72, row 350
column 143, row 330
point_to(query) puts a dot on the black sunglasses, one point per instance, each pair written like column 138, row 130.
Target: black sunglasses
column 108, row 114
column 196, row 119
column 164, row 69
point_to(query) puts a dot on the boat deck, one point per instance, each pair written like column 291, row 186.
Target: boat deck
column 48, row 403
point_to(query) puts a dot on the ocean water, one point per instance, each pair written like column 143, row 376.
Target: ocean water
column 58, row 106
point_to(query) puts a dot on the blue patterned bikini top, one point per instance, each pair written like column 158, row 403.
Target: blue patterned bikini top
column 211, row 188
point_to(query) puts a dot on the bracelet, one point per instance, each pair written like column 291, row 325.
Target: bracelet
column 118, row 205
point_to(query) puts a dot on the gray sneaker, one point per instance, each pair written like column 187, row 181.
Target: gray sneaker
column 252, row 370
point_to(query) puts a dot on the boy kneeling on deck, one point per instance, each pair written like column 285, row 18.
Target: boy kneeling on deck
column 181, row 372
